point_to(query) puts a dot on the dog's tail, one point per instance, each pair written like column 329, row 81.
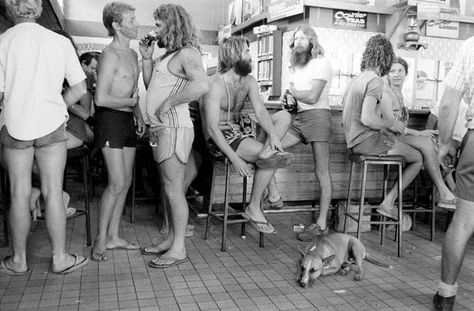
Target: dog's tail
column 376, row 262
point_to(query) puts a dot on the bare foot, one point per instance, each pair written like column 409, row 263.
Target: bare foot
column 266, row 153
column 121, row 244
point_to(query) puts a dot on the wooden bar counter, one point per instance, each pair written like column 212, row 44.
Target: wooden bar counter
column 298, row 182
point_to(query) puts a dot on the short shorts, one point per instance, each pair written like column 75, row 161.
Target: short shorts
column 169, row 141
column 378, row 144
column 57, row 136
column 465, row 169
column 312, row 126
column 114, row 128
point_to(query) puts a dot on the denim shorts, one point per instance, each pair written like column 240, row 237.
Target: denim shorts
column 57, row 136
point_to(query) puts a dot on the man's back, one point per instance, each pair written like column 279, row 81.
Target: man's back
column 33, row 63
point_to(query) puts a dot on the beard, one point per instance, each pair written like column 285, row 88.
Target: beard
column 243, row 67
column 160, row 43
column 300, row 56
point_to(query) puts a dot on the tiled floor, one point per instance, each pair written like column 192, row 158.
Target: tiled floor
column 245, row 277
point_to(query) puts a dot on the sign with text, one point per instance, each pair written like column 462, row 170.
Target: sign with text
column 349, row 19
column 284, row 8
column 444, row 29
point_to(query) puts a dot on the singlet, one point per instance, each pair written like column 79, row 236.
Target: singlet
column 163, row 84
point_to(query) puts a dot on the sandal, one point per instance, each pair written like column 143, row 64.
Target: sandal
column 277, row 160
column 153, row 250
column 260, row 226
column 166, row 262
column 98, row 256
column 78, row 264
column 5, row 269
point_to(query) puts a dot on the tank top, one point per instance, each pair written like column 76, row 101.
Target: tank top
column 163, row 84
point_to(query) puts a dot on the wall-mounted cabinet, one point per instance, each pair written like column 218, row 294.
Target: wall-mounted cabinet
column 269, row 62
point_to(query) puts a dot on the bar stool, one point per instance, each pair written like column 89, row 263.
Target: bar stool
column 82, row 154
column 365, row 161
column 425, row 208
column 225, row 216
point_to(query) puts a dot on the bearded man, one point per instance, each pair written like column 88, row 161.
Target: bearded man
column 232, row 134
column 309, row 83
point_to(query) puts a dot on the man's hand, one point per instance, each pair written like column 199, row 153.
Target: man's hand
column 161, row 111
column 447, row 155
column 275, row 143
column 134, row 98
column 428, row 133
column 398, row 127
column 241, row 167
column 146, row 50
column 141, row 127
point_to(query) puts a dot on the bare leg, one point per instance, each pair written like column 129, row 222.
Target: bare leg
column 72, row 141
column 51, row 161
column 414, row 161
column 321, row 168
column 454, row 247
column 115, row 161
column 281, row 123
column 172, row 175
column 113, row 230
column 430, row 161
column 19, row 164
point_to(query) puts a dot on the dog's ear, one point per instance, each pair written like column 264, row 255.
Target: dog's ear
column 326, row 261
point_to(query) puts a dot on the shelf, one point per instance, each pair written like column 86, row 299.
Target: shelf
column 249, row 23
column 341, row 5
column 264, row 57
column 265, row 82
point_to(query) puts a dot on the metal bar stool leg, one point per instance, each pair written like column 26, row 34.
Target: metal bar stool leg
column 349, row 193
column 211, row 200
column 400, row 209
column 433, row 214
column 85, row 180
column 386, row 171
column 134, row 186
column 362, row 198
column 244, row 204
column 226, row 206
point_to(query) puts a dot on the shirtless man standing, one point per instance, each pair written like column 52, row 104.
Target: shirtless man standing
column 229, row 88
column 117, row 105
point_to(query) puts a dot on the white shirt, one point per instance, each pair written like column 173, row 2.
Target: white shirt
column 34, row 61
column 316, row 69
column 461, row 77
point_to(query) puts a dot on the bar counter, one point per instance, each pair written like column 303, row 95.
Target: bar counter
column 298, row 182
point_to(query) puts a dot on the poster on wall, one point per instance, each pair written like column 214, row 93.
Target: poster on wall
column 251, row 8
column 284, row 8
column 444, row 29
column 349, row 19
column 426, row 76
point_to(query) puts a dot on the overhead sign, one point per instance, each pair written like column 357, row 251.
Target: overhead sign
column 445, row 29
column 284, row 8
column 349, row 19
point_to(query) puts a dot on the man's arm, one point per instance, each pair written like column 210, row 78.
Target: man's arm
column 448, row 112
column 83, row 109
column 211, row 101
column 74, row 93
column 261, row 112
column 370, row 118
column 198, row 84
column 106, row 68
column 147, row 61
column 310, row 96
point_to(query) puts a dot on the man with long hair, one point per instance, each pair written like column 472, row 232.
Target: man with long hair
column 310, row 81
column 177, row 78
column 33, row 127
column 366, row 132
column 234, row 135
column 117, row 110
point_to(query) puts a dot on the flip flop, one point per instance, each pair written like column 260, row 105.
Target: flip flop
column 78, row 264
column 155, row 263
column 257, row 225
column 147, row 250
column 98, row 256
column 6, row 270
column 277, row 160
column 128, row 247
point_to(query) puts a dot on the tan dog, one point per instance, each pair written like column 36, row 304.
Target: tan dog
column 331, row 253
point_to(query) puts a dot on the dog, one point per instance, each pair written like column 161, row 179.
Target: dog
column 332, row 253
